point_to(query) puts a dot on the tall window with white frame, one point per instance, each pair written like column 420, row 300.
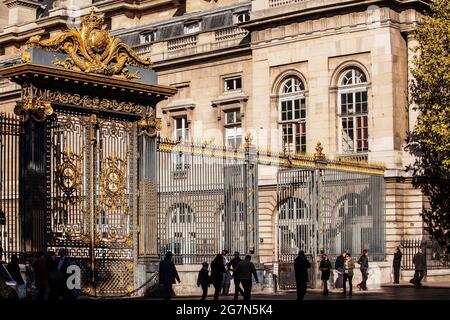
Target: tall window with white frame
column 352, row 113
column 292, row 106
column 233, row 129
column 181, row 133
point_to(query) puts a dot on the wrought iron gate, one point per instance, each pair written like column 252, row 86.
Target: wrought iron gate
column 206, row 201
column 9, row 185
column 92, row 166
column 331, row 210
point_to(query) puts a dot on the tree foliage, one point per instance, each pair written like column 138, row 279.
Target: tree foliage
column 430, row 140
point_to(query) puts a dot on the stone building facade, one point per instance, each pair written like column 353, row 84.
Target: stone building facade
column 290, row 72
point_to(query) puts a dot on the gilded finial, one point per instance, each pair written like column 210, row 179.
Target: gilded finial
column 248, row 140
column 319, row 155
column 150, row 125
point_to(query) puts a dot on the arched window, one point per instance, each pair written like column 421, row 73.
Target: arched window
column 233, row 228
column 353, row 109
column 182, row 235
column 294, row 228
column 293, row 114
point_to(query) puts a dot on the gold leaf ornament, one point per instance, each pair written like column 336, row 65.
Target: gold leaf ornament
column 92, row 49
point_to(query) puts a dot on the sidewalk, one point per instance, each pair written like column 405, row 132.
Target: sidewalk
column 402, row 291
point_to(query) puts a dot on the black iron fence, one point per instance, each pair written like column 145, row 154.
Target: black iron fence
column 436, row 256
column 9, row 187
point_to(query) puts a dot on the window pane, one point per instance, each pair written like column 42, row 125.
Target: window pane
column 229, row 117
column 238, row 83
column 348, row 78
column 303, row 109
column 343, row 103
column 359, row 76
column 179, row 123
column 347, row 135
column 364, row 102
column 297, row 109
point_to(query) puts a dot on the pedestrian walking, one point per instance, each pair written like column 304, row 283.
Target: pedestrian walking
column 325, row 268
column 419, row 266
column 203, row 280
column 217, row 272
column 63, row 263
column 53, row 276
column 245, row 269
column 301, row 266
column 363, row 262
column 339, row 266
column 167, row 275
column 232, row 267
column 227, row 275
column 14, row 270
column 41, row 275
column 349, row 265
column 396, row 265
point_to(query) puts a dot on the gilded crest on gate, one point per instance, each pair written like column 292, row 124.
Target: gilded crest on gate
column 68, row 175
column 92, row 49
column 113, row 184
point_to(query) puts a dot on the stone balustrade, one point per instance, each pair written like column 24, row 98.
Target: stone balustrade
column 143, row 49
column 280, row 3
column 357, row 157
column 182, row 43
column 229, row 33
column 193, row 44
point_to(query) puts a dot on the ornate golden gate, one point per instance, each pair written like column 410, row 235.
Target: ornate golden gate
column 88, row 112
column 93, row 171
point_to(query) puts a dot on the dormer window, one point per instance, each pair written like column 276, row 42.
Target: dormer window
column 192, row 27
column 242, row 17
column 148, row 37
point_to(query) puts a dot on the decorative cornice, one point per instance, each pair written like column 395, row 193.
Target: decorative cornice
column 299, row 11
column 239, row 98
column 179, row 107
column 24, row 72
column 24, row 3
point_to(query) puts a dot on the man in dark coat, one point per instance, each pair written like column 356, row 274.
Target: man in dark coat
column 63, row 264
column 217, row 271
column 245, row 269
column 14, row 270
column 237, row 283
column 419, row 266
column 167, row 275
column 363, row 267
column 339, row 266
column 41, row 275
column 325, row 267
column 203, row 279
column 396, row 265
column 301, row 265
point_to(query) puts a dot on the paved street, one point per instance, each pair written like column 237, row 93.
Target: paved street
column 403, row 291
